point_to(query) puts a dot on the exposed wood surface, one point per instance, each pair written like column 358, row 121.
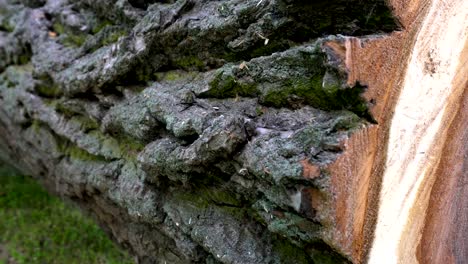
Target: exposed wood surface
column 351, row 184
column 415, row 71
column 444, row 236
column 425, row 107
column 379, row 62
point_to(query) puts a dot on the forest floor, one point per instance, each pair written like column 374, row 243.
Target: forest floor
column 38, row 228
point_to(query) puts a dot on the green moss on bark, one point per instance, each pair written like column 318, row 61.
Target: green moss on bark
column 69, row 37
column 226, row 86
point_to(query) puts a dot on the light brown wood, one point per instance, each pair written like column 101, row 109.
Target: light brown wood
column 444, row 237
column 419, row 129
column 415, row 78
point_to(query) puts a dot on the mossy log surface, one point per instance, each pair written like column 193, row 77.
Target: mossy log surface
column 193, row 131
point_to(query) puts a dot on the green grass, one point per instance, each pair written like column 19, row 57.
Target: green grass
column 38, row 228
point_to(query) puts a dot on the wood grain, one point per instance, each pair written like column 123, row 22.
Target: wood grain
column 413, row 80
column 418, row 131
column 444, row 235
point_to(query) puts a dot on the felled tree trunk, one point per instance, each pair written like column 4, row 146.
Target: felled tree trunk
column 246, row 131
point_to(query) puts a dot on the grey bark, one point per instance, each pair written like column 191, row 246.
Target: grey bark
column 181, row 125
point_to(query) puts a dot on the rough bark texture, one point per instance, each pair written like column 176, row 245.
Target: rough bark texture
column 194, row 131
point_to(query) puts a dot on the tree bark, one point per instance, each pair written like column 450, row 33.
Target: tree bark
column 263, row 131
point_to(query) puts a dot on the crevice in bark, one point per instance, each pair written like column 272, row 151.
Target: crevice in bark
column 143, row 4
column 194, row 131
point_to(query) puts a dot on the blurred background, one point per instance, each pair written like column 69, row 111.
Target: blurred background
column 38, row 228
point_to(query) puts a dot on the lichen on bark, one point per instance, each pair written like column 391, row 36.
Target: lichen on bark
column 184, row 126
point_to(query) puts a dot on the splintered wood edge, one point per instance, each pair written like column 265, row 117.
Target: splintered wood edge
column 423, row 112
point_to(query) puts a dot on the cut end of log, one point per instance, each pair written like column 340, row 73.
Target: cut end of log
column 429, row 98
